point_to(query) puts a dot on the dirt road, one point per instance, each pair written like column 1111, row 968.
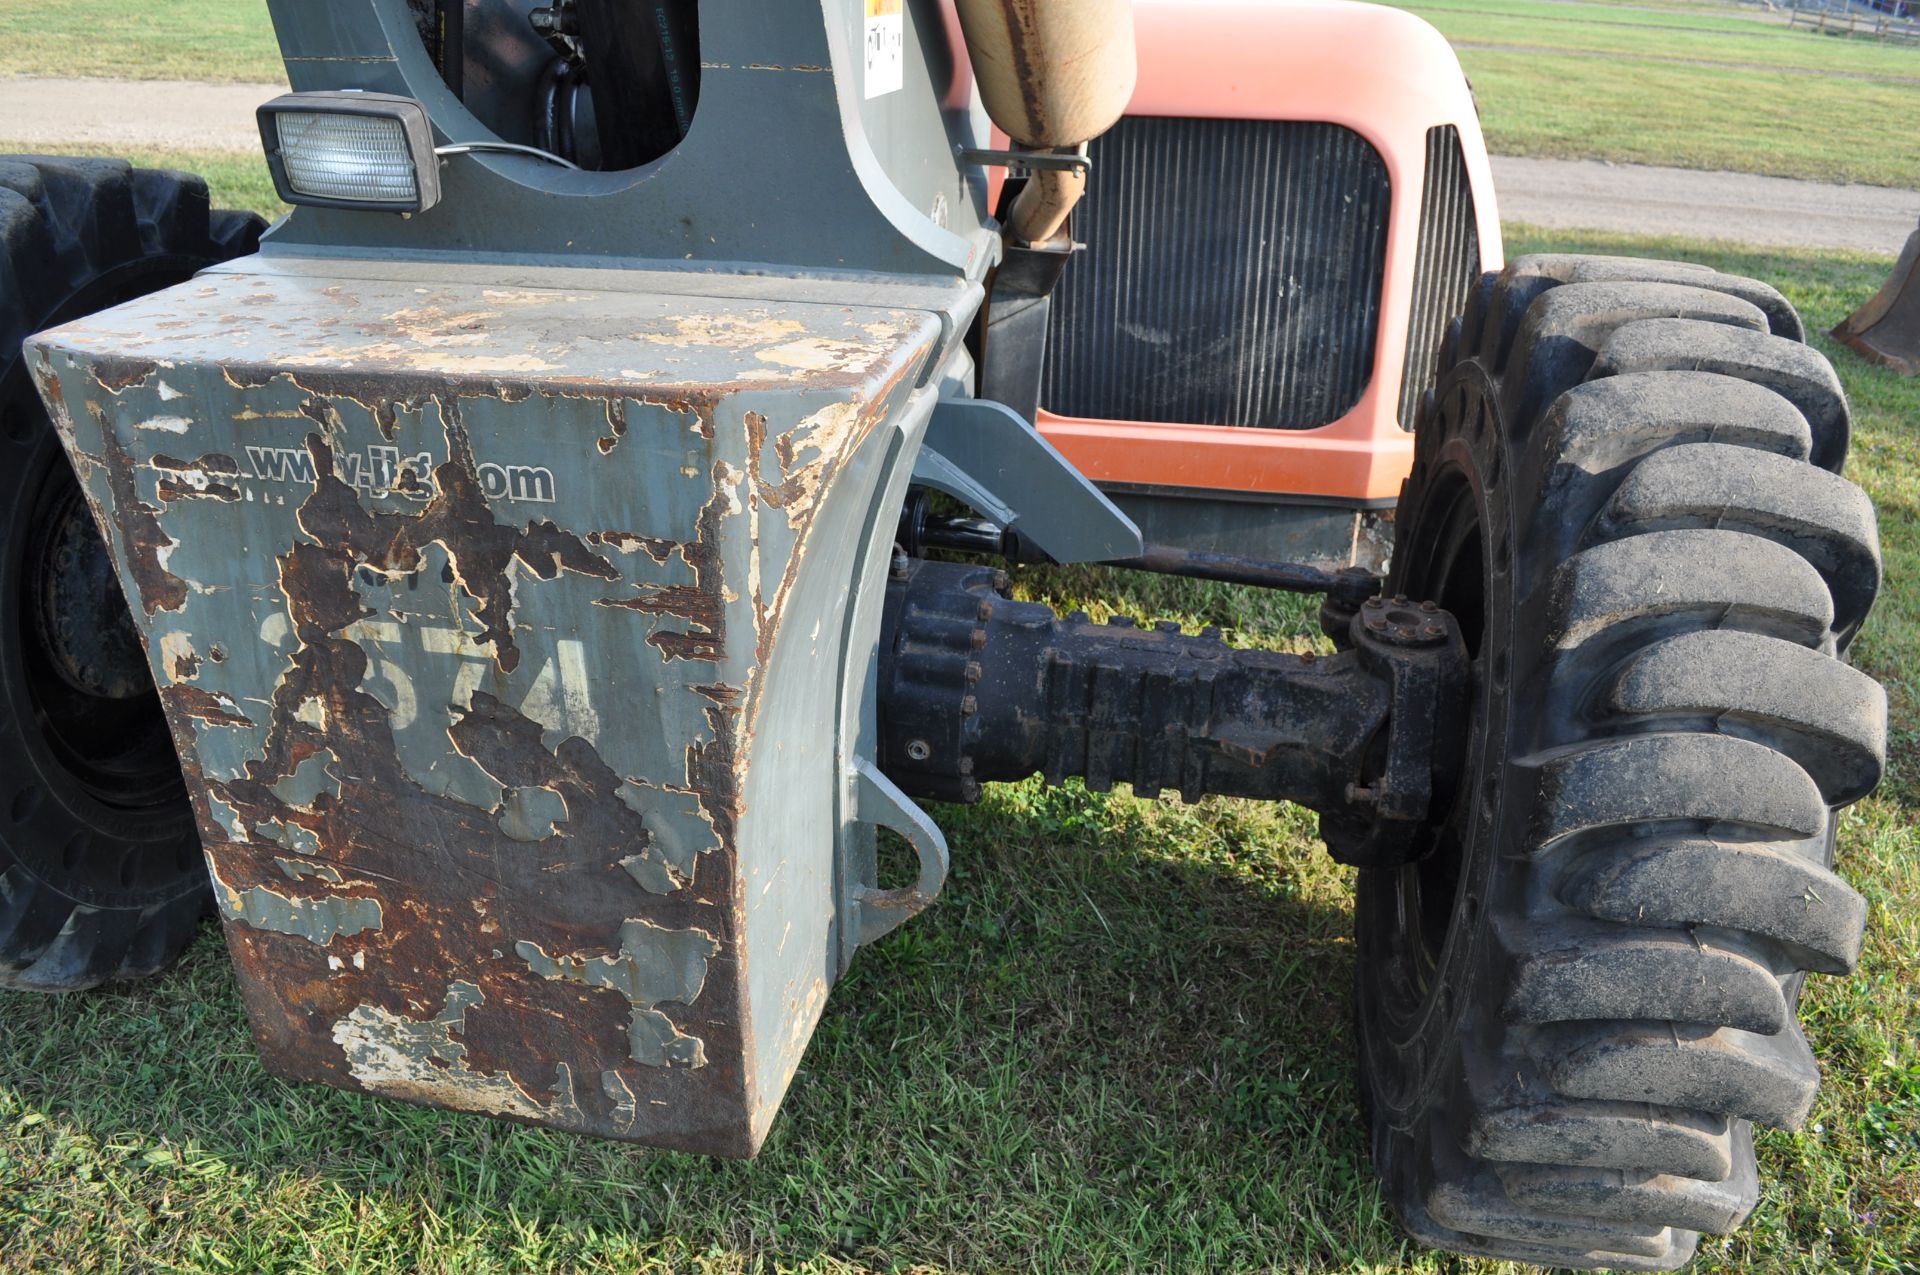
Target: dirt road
column 45, row 114
column 135, row 114
column 1769, row 211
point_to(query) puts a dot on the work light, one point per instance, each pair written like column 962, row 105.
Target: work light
column 351, row 150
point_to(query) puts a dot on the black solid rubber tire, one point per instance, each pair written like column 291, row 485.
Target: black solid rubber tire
column 101, row 875
column 1626, row 486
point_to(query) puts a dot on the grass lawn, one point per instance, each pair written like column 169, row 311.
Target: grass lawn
column 1689, row 87
column 220, row 40
column 1120, row 1042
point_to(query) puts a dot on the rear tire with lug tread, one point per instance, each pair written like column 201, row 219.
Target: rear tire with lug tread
column 101, row 875
column 1626, row 489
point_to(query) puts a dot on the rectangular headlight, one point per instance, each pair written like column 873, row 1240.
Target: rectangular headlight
column 351, row 150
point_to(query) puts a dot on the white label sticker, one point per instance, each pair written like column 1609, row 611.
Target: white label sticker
column 886, row 47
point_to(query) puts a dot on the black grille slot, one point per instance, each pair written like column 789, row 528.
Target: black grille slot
column 1232, row 276
column 1448, row 263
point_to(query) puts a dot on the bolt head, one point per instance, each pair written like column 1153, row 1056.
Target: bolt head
column 919, row 749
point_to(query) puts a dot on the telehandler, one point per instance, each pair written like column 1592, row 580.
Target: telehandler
column 514, row 591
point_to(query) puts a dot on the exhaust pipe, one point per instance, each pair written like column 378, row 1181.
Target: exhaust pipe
column 1054, row 75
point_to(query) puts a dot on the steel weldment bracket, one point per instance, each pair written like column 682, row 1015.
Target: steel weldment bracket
column 878, row 801
column 987, row 456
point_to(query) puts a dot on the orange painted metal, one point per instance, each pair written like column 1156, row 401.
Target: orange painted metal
column 1386, row 75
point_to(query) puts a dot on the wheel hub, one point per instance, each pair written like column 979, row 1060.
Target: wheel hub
column 79, row 614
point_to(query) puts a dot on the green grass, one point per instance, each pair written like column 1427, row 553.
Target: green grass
column 216, row 40
column 1119, row 1043
column 1690, row 88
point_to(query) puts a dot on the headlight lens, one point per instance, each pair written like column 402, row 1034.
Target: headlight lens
column 363, row 158
column 351, row 150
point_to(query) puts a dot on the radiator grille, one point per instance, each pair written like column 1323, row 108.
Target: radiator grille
column 1447, row 266
column 1232, row 276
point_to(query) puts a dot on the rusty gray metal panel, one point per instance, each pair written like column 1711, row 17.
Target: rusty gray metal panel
column 502, row 631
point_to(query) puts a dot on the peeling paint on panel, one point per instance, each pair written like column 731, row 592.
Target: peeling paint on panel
column 215, row 708
column 482, row 551
column 700, row 603
column 473, row 785
column 651, row 965
column 142, row 542
column 319, row 919
column 421, row 1061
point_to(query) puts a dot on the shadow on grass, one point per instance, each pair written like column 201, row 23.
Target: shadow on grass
column 1095, row 1052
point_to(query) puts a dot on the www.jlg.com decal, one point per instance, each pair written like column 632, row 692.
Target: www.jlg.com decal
column 378, row 470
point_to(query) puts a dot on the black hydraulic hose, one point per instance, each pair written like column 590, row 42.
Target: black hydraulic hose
column 555, row 98
column 569, row 108
column 643, row 62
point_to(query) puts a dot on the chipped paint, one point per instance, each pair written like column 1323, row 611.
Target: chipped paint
column 651, row 965
column 422, row 1062
column 300, row 870
column 475, row 785
column 318, row 919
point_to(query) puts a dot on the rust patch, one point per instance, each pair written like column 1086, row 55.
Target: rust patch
column 796, row 495
column 656, row 547
column 186, row 666
column 699, row 604
column 202, row 705
column 616, row 426
column 143, row 544
column 480, row 549
column 172, row 491
column 211, row 463
column 508, row 747
column 196, row 479
column 637, row 971
column 710, row 774
column 460, row 897
column 115, row 374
